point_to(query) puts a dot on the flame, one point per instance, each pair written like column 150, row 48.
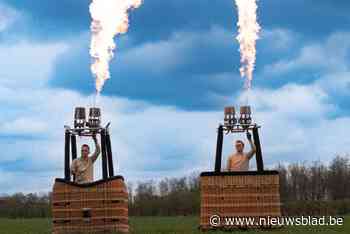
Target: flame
column 109, row 18
column 248, row 34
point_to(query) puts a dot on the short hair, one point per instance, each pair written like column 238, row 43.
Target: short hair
column 239, row 141
column 85, row 145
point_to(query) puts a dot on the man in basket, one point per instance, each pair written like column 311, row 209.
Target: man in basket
column 239, row 161
column 83, row 168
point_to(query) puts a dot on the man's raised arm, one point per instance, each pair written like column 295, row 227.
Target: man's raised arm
column 251, row 153
column 97, row 149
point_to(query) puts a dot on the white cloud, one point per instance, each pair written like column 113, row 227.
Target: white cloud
column 324, row 65
column 7, row 17
column 168, row 54
column 330, row 55
column 23, row 126
column 279, row 38
column 293, row 101
column 26, row 64
column 336, row 83
column 25, row 182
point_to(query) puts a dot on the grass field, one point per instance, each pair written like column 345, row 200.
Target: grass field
column 163, row 225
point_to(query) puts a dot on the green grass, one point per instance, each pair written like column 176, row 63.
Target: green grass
column 163, row 225
column 25, row 226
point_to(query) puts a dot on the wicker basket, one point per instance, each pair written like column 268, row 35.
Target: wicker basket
column 239, row 194
column 98, row 207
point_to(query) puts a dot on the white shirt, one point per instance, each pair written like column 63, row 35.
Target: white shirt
column 83, row 170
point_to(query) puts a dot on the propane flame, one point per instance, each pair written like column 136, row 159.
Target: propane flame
column 109, row 18
column 248, row 34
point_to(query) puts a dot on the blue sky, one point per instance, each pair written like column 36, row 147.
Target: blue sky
column 173, row 73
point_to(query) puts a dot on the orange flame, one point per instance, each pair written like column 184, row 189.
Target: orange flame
column 109, row 18
column 248, row 34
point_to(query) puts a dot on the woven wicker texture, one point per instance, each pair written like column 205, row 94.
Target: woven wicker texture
column 101, row 207
column 239, row 196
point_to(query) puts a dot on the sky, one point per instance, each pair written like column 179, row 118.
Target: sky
column 173, row 73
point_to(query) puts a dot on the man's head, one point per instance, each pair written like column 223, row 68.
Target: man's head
column 85, row 150
column 239, row 146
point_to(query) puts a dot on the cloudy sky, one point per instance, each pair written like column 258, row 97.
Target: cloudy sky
column 173, row 73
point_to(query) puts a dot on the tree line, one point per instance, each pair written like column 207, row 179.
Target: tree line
column 305, row 188
column 20, row 205
column 316, row 181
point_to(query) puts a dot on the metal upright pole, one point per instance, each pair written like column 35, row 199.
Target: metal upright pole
column 66, row 156
column 74, row 149
column 109, row 155
column 104, row 155
column 259, row 158
column 74, row 146
column 219, row 143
